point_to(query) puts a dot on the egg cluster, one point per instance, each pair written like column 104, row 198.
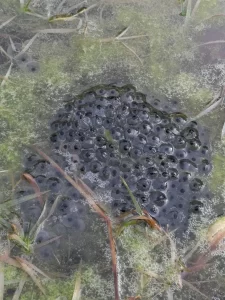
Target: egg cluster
column 109, row 133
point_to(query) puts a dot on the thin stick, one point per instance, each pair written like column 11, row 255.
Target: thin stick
column 212, row 43
column 131, row 37
column 188, row 12
column 19, row 289
column 6, row 54
column 122, row 33
column 7, row 74
column 76, row 6
column 58, row 9
column 77, row 287
column 207, row 110
column 1, row 280
column 56, row 30
column 191, row 286
column 7, row 22
column 132, row 51
column 223, row 132
column 196, row 7
column 27, row 45
column 36, row 15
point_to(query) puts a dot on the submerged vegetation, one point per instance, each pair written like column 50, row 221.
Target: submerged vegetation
column 50, row 51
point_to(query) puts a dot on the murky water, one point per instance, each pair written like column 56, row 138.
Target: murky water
column 52, row 51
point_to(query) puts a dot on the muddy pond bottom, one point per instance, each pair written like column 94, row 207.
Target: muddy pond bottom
column 109, row 132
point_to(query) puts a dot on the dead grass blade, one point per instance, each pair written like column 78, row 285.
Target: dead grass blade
column 212, row 43
column 2, row 280
column 89, row 195
column 131, row 37
column 59, row 7
column 223, row 132
column 56, row 30
column 19, row 289
column 192, row 287
column 7, row 22
column 28, row 45
column 27, row 269
column 62, row 17
column 208, row 109
column 5, row 258
column 196, row 7
column 114, row 259
column 7, row 75
column 36, row 269
column 86, row 9
column 217, row 15
column 6, row 54
column 136, row 204
column 36, row 15
column 12, row 44
column 35, row 186
column 47, row 242
column 76, row 6
column 152, row 222
column 68, row 17
column 188, row 11
column 169, row 294
column 191, row 252
column 77, row 288
column 20, row 200
column 132, row 51
column 22, row 3
column 39, row 222
column 122, row 32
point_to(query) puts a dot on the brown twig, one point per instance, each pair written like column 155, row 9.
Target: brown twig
column 89, row 195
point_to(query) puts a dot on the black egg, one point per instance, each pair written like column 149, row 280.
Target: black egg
column 87, row 155
column 72, row 220
column 152, row 172
column 179, row 142
column 187, row 165
column 104, row 173
column 166, row 148
column 136, row 153
column 143, row 184
column 124, row 146
column 195, row 185
column 189, row 133
column 158, row 198
column 95, row 166
column 46, row 252
column 54, row 184
column 64, row 206
column 42, row 236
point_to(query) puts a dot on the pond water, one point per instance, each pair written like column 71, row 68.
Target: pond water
column 112, row 156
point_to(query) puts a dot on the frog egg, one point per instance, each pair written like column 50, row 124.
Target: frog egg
column 32, row 67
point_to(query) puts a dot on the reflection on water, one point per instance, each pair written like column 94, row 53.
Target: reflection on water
column 52, row 51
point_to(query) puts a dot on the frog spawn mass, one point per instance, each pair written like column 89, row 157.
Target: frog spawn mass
column 110, row 132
